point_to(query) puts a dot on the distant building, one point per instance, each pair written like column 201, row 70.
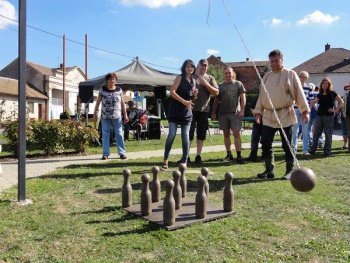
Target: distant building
column 9, row 100
column 333, row 63
column 245, row 71
column 49, row 82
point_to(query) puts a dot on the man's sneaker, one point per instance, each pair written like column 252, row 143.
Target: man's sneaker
column 198, row 159
column 123, row 157
column 104, row 157
column 240, row 160
column 228, row 158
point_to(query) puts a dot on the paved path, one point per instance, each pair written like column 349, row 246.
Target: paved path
column 40, row 167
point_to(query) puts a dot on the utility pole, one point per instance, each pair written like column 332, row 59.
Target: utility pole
column 64, row 73
column 22, row 48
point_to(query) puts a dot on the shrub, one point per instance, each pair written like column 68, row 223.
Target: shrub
column 51, row 137
column 81, row 136
column 11, row 134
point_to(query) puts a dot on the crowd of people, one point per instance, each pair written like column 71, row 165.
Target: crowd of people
column 286, row 103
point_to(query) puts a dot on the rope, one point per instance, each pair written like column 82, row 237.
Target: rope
column 262, row 83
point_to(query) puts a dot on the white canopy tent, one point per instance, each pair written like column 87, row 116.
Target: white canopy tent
column 136, row 77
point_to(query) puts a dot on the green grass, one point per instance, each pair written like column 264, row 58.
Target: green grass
column 77, row 216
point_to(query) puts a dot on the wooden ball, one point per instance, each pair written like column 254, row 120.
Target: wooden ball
column 303, row 179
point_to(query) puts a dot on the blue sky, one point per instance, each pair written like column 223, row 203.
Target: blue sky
column 166, row 32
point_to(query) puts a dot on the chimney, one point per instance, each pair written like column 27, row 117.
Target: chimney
column 327, row 47
column 247, row 59
column 219, row 58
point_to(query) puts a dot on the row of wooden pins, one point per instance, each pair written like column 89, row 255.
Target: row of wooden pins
column 176, row 189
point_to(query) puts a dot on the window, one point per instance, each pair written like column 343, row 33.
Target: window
column 30, row 107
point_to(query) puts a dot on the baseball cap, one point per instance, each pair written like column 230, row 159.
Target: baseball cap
column 203, row 61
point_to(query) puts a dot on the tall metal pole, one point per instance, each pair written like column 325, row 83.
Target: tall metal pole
column 22, row 101
column 64, row 73
column 86, row 56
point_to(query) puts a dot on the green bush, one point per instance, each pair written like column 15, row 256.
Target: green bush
column 11, row 134
column 51, row 137
column 80, row 136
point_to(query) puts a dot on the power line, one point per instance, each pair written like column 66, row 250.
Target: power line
column 70, row 49
column 83, row 44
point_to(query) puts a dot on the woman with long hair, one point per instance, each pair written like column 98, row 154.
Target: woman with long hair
column 325, row 115
column 182, row 93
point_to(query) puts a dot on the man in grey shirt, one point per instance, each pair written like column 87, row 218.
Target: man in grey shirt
column 232, row 105
column 206, row 86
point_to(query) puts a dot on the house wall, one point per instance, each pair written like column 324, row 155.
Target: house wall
column 55, row 84
column 338, row 80
column 9, row 107
column 248, row 76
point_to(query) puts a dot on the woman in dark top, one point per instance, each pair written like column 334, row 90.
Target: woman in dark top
column 325, row 115
column 180, row 110
column 113, row 108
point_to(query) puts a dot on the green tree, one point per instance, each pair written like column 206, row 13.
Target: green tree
column 217, row 72
column 265, row 70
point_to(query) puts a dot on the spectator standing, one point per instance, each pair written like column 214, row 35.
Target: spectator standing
column 255, row 139
column 308, row 91
column 325, row 115
column 113, row 108
column 182, row 93
column 312, row 121
column 232, row 105
column 206, row 86
column 346, row 112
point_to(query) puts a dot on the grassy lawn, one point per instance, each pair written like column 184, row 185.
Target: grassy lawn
column 77, row 216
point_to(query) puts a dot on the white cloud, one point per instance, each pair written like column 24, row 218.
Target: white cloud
column 212, row 51
column 171, row 59
column 9, row 11
column 273, row 22
column 276, row 21
column 317, row 17
column 154, row 3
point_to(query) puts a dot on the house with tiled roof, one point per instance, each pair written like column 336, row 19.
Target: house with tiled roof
column 245, row 71
column 9, row 100
column 333, row 63
column 49, row 81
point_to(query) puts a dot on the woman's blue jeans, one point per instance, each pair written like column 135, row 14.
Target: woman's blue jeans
column 305, row 132
column 185, row 131
column 118, row 131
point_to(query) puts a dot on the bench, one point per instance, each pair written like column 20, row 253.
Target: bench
column 247, row 122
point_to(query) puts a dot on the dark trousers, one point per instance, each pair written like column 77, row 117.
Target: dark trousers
column 128, row 127
column 267, row 136
column 255, row 139
column 325, row 124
